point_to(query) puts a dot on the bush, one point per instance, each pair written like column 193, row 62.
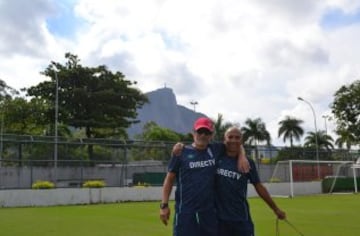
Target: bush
column 275, row 180
column 94, row 184
column 40, row 184
column 342, row 184
column 142, row 185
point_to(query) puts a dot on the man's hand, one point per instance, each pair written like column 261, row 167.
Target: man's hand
column 177, row 149
column 280, row 214
column 165, row 215
column 243, row 164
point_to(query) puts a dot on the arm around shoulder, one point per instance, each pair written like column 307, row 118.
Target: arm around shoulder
column 243, row 163
column 177, row 149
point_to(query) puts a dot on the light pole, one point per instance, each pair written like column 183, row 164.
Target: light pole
column 325, row 118
column 194, row 103
column 316, row 135
column 1, row 135
column 56, row 126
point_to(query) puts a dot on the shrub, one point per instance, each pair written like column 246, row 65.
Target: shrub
column 342, row 184
column 94, row 184
column 274, row 180
column 142, row 185
column 40, row 184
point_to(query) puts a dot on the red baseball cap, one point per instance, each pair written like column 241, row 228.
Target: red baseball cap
column 204, row 122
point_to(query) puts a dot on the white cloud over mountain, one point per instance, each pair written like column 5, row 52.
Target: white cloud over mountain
column 244, row 59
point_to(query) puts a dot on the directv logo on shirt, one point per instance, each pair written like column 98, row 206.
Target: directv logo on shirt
column 229, row 173
column 201, row 164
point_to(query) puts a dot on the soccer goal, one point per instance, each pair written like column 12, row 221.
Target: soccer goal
column 303, row 177
column 355, row 167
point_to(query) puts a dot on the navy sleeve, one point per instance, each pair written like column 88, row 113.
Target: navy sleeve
column 218, row 149
column 174, row 164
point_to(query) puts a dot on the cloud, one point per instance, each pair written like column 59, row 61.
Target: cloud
column 22, row 29
column 243, row 59
column 286, row 53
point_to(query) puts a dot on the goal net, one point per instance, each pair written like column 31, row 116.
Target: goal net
column 303, row 177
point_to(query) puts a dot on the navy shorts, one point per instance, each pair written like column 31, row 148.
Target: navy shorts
column 196, row 224
column 235, row 228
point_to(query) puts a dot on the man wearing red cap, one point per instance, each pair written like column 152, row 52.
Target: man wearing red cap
column 194, row 171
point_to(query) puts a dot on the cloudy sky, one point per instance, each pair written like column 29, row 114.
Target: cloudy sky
column 241, row 58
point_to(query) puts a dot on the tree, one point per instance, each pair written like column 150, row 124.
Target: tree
column 324, row 144
column 255, row 132
column 220, row 127
column 23, row 117
column 290, row 129
column 153, row 135
column 6, row 91
column 324, row 140
column 100, row 101
column 345, row 137
column 153, row 132
column 90, row 98
column 346, row 109
column 5, row 95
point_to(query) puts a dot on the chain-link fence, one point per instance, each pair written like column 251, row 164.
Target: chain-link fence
column 119, row 163
column 26, row 159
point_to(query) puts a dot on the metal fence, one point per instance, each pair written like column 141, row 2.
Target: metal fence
column 26, row 159
column 113, row 174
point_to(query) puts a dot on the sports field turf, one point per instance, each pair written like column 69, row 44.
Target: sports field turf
column 328, row 215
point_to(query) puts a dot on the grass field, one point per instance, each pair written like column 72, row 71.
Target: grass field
column 328, row 215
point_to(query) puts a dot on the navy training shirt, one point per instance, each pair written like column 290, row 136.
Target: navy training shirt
column 195, row 177
column 231, row 189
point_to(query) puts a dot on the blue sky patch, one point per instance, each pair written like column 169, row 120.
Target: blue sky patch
column 63, row 22
column 171, row 42
column 336, row 18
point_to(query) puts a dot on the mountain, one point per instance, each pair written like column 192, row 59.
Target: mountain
column 164, row 111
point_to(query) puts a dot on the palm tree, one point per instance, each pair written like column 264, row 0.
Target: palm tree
column 345, row 137
column 255, row 131
column 220, row 127
column 324, row 140
column 290, row 129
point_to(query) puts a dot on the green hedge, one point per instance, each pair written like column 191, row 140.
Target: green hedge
column 342, row 184
column 41, row 184
column 94, row 184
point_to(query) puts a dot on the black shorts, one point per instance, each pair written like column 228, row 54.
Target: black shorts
column 196, row 224
column 235, row 228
